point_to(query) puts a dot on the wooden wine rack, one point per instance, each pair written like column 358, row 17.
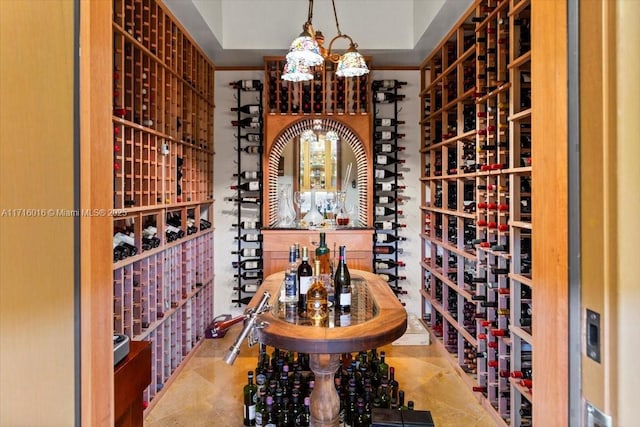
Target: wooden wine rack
column 477, row 202
column 163, row 172
column 326, row 94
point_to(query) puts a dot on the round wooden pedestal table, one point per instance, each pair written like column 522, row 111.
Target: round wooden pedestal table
column 377, row 318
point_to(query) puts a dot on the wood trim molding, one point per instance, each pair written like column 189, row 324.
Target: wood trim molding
column 96, row 190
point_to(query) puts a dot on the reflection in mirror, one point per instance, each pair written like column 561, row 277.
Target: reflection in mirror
column 317, row 173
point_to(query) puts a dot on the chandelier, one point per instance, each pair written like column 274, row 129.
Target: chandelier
column 308, row 50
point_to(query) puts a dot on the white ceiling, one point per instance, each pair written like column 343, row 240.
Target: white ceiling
column 393, row 32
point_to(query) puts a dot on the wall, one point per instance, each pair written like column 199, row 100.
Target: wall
column 225, row 214
column 37, row 277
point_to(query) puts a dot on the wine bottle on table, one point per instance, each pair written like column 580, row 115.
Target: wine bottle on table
column 305, row 278
column 317, row 298
column 290, row 296
column 342, row 284
column 323, row 255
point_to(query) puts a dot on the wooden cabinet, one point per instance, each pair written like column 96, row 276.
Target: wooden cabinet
column 163, row 185
column 131, row 376
column 276, row 243
column 476, row 157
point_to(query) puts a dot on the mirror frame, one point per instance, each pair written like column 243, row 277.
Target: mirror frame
column 280, row 131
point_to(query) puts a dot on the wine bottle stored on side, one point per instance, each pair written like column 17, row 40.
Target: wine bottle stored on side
column 254, row 122
column 248, row 252
column 388, row 122
column 387, row 135
column 387, row 238
column 387, row 97
column 253, row 109
column 387, row 84
column 247, row 200
column 385, row 211
column 384, row 174
column 386, row 250
column 387, row 225
column 251, row 149
column 385, row 264
column 247, row 186
column 388, row 186
column 382, row 159
column 249, row 175
column 250, row 237
column 388, row 148
column 247, row 85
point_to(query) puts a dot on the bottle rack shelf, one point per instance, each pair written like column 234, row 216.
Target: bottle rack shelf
column 326, row 94
column 386, row 182
column 249, row 136
column 476, row 158
column 163, row 184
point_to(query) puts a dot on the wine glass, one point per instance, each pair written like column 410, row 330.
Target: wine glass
column 298, row 199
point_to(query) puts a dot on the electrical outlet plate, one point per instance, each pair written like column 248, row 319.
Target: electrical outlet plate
column 594, row 417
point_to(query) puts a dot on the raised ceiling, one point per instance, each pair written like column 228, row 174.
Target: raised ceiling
column 238, row 33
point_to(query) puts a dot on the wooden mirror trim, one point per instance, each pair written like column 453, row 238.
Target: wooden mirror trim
column 279, row 130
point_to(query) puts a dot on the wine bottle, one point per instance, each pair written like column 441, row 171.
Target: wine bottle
column 389, row 278
column 252, row 137
column 249, row 275
column 317, row 297
column 382, row 200
column 247, row 200
column 247, row 85
column 204, row 224
column 342, row 284
column 248, row 225
column 388, row 186
column 387, row 84
column 290, row 297
column 247, row 186
column 388, row 148
column 387, row 97
column 253, row 109
column 249, row 175
column 248, row 252
column 305, row 278
column 323, row 255
column 250, row 396
column 385, row 264
column 384, row 174
column 254, row 122
column 249, row 264
column 388, row 122
column 382, row 159
column 250, row 237
column 387, row 135
column 387, row 238
column 385, row 211
column 387, row 225
column 386, row 250
column 251, row 149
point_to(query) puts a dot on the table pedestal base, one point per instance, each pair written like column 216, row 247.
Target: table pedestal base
column 325, row 402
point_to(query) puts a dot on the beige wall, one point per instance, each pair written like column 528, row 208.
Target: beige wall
column 37, row 274
column 610, row 101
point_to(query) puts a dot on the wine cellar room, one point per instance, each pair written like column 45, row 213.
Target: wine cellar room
column 467, row 165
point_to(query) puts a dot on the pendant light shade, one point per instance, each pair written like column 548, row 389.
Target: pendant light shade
column 305, row 49
column 352, row 64
column 296, row 71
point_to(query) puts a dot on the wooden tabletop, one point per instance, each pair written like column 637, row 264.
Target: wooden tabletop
column 389, row 324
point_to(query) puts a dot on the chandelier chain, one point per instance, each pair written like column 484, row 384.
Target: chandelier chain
column 335, row 15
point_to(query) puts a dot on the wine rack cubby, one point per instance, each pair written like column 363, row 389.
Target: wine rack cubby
column 163, row 184
column 248, row 186
column 476, row 159
column 388, row 182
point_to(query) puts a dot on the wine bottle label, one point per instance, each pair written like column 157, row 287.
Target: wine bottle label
column 345, row 299
column 386, row 186
column 290, row 285
column 384, row 199
column 385, row 122
column 249, row 252
column 386, row 225
column 385, row 135
column 381, row 160
column 247, row 84
column 253, row 137
column 254, row 109
column 251, row 237
column 254, row 186
column 381, row 97
column 380, row 174
column 305, row 283
column 386, row 148
column 382, row 238
column 345, row 319
column 251, row 265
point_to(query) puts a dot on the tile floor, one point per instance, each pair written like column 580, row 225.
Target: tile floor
column 208, row 392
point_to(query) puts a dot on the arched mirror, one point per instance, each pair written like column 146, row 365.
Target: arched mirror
column 317, row 177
